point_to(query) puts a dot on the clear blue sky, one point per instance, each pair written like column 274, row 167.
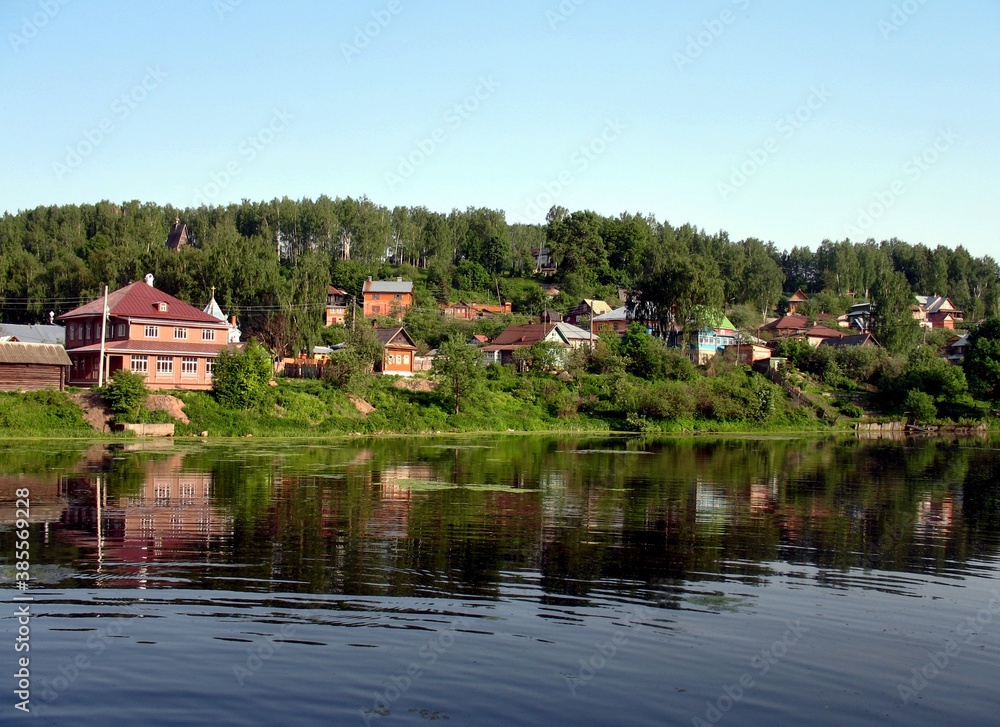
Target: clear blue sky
column 628, row 106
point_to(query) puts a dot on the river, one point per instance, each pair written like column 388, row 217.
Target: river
column 503, row 581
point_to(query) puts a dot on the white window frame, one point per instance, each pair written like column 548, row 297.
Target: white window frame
column 152, row 331
column 189, row 366
column 180, row 334
column 164, row 365
column 139, row 364
column 208, row 334
column 209, row 368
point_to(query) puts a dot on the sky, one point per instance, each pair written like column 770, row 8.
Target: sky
column 784, row 120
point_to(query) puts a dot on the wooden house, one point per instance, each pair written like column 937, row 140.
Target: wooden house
column 514, row 338
column 33, row 366
column 792, row 303
column 398, row 352
column 336, row 306
column 178, row 235
column 387, row 297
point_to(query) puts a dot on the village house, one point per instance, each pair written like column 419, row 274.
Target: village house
column 32, row 333
column 858, row 339
column 471, row 311
column 615, row 321
column 793, row 302
column 398, row 353
column 703, row 345
column 936, row 311
column 588, row 308
column 33, row 366
column 502, row 349
column 336, row 306
column 954, row 352
column 387, row 297
column 170, row 342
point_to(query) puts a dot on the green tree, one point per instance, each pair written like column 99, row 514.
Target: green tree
column 241, row 378
column 676, row 288
column 982, row 360
column 892, row 321
column 458, row 367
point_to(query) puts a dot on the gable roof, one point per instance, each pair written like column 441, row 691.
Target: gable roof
column 33, row 333
column 46, row 354
column 797, row 297
column 527, row 334
column 388, row 286
column 178, row 235
column 571, row 332
column 618, row 314
column 787, row 323
column 861, row 339
column 395, row 337
column 822, row 332
column 141, row 300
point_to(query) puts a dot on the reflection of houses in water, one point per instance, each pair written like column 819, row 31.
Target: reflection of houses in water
column 390, row 516
column 764, row 495
column 170, row 512
column 47, row 498
column 712, row 505
column 935, row 518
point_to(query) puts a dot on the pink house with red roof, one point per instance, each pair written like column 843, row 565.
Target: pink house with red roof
column 170, row 342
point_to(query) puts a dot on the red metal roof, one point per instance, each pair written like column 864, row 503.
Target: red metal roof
column 140, row 300
column 787, row 323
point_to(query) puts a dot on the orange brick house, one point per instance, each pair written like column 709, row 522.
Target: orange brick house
column 399, row 349
column 336, row 306
column 173, row 344
column 387, row 297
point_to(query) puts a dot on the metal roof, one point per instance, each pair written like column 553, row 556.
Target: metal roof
column 388, row 286
column 46, row 354
column 34, row 333
column 141, row 300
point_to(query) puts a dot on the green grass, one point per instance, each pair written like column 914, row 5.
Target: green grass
column 41, row 414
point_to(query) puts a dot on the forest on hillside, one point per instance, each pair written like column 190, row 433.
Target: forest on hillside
column 271, row 262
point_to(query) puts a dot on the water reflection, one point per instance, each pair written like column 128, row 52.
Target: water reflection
column 413, row 517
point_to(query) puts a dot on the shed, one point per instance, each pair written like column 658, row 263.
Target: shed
column 33, row 366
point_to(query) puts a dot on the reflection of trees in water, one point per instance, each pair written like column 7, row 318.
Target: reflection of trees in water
column 606, row 512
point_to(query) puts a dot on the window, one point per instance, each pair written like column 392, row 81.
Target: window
column 152, row 331
column 164, row 364
column 207, row 334
column 140, row 364
column 71, row 332
column 87, row 337
column 121, row 330
column 375, row 296
column 399, row 359
column 180, row 334
column 406, row 359
column 376, row 309
column 189, row 366
column 209, row 367
column 162, row 307
column 398, row 297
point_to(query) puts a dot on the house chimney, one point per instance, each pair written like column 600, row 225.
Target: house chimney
column 369, row 278
column 375, row 324
column 399, row 278
column 52, row 317
column 149, row 279
column 232, row 320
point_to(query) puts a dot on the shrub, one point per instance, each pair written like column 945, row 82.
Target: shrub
column 125, row 393
column 241, row 378
column 920, row 406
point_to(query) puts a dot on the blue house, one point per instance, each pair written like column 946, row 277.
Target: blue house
column 702, row 345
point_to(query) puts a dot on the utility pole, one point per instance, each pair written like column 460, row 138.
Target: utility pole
column 104, row 328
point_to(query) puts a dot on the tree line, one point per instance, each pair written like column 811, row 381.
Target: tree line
column 270, row 262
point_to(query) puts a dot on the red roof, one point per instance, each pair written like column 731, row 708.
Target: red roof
column 787, row 323
column 822, row 332
column 140, row 300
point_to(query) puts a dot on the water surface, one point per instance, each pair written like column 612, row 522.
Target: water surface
column 500, row 581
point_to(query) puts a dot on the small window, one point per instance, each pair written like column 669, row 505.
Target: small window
column 140, row 364
column 162, row 307
column 398, row 297
column 180, row 334
column 152, row 331
column 375, row 296
column 399, row 359
column 121, row 330
column 207, row 334
column 209, row 367
column 164, row 364
column 189, row 366
column 406, row 359
column 87, row 337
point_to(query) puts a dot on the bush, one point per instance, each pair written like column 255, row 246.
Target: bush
column 920, row 406
column 125, row 393
column 241, row 378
